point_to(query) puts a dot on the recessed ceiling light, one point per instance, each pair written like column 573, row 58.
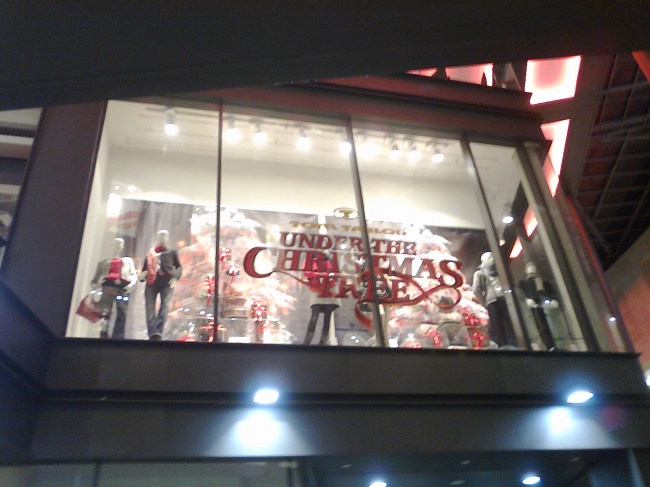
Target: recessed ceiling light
column 266, row 396
column 369, row 149
column 438, row 156
column 394, row 153
column 508, row 219
column 378, row 483
column 465, row 462
column 531, row 480
column 575, row 459
column 612, row 319
column 347, row 465
column 117, row 188
column 578, row 397
column 345, row 147
column 303, row 142
column 457, row 482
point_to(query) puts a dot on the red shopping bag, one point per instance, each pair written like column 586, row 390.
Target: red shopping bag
column 89, row 310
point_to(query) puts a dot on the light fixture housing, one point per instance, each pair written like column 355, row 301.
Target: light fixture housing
column 260, row 137
column 531, row 480
column 266, row 396
column 414, row 154
column 170, row 127
column 394, row 153
column 508, row 219
column 303, row 142
column 232, row 134
column 438, row 156
column 579, row 397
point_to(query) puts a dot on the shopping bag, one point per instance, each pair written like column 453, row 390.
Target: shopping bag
column 88, row 309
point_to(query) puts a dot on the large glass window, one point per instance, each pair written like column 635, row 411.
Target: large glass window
column 235, row 224
column 151, row 213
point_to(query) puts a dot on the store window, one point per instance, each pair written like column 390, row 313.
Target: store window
column 234, row 224
column 151, row 211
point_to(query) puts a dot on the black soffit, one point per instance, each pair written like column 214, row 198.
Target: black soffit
column 614, row 190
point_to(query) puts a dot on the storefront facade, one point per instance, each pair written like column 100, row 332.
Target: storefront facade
column 413, row 228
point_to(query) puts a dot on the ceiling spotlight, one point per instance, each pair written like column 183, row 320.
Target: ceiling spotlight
column 233, row 134
column 117, row 188
column 438, row 156
column 379, row 483
column 579, row 397
column 369, row 149
column 612, row 319
column 131, row 188
column 266, row 396
column 170, row 126
column 414, row 154
column 508, row 219
column 303, row 142
column 345, row 147
column 394, row 153
column 531, row 480
column 457, row 482
column 259, row 137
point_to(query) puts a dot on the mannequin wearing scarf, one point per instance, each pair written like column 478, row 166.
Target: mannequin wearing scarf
column 488, row 289
column 161, row 270
column 116, row 277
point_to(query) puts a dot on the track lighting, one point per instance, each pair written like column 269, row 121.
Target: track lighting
column 414, row 154
column 438, row 156
column 260, row 137
column 345, row 147
column 369, row 149
column 394, row 153
column 170, row 126
column 233, row 134
column 303, row 142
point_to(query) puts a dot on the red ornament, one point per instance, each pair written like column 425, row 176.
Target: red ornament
column 413, row 344
column 478, row 339
column 436, row 336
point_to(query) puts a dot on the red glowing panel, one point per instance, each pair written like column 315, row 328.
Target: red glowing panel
column 551, row 178
column 552, row 79
column 530, row 221
column 468, row 74
column 557, row 132
column 516, row 249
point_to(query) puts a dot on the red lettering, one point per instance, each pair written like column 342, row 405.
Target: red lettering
column 323, row 242
column 405, row 268
column 346, row 287
column 249, row 263
column 427, row 266
column 451, row 271
column 393, row 246
column 289, row 256
column 398, row 288
column 304, row 241
column 283, row 239
column 355, row 243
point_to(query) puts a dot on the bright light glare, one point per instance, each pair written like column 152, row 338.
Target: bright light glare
column 378, row 484
column 232, row 135
column 414, row 155
column 531, row 480
column 171, row 128
column 345, row 147
column 260, row 137
column 438, row 157
column 266, row 396
column 508, row 219
column 303, row 142
column 578, row 397
column 612, row 319
column 552, row 79
column 395, row 153
column 516, row 249
column 369, row 149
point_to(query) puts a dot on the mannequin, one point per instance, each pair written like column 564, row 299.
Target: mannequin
column 488, row 289
column 113, row 281
column 161, row 270
column 539, row 299
column 321, row 300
